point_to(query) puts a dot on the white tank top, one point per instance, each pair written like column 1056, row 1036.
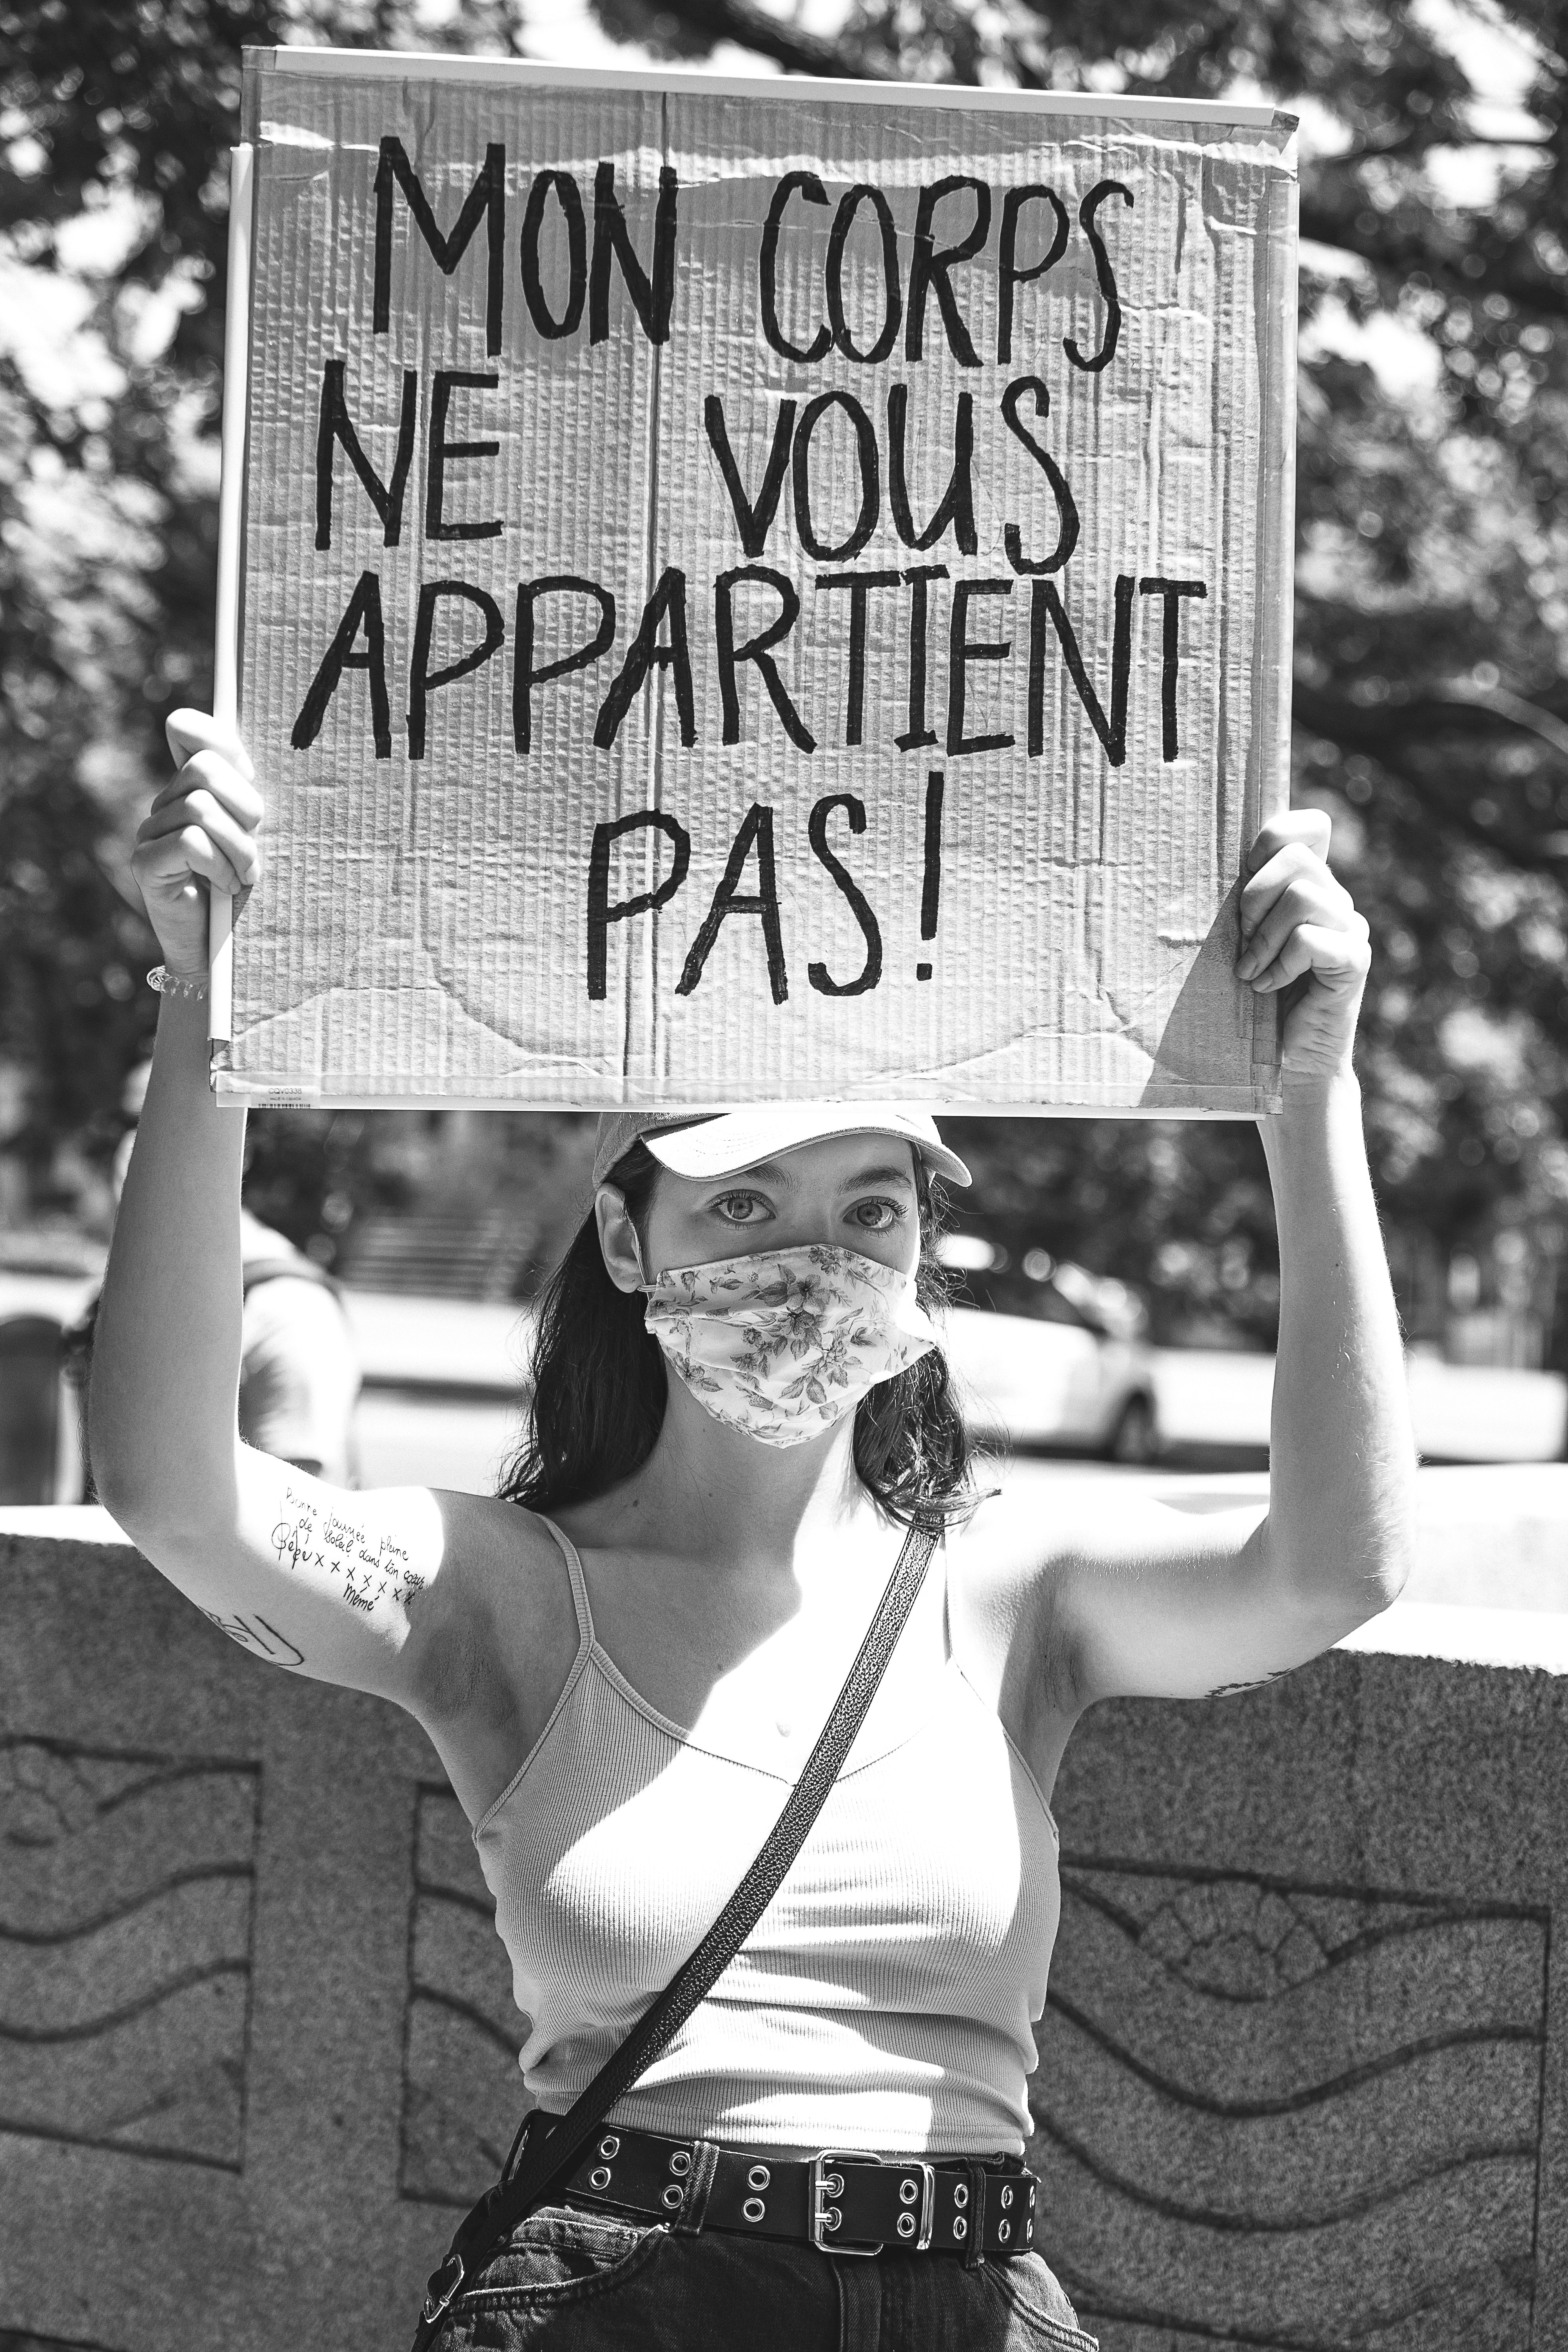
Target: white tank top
column 887, row 1997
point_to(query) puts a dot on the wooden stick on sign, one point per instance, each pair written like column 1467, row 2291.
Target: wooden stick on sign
column 231, row 518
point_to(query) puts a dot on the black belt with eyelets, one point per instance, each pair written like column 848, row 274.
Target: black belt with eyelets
column 844, row 2201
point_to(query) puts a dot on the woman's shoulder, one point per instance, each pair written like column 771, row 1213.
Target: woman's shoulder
column 1006, row 1557
column 498, row 1646
column 1012, row 1531
column 1035, row 1518
column 505, row 1596
column 501, row 1553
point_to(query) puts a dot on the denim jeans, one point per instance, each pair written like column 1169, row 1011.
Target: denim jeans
column 568, row 2280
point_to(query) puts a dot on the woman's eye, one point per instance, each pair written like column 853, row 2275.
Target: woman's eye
column 738, row 1208
column 877, row 1216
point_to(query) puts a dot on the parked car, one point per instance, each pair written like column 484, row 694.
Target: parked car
column 1076, row 1373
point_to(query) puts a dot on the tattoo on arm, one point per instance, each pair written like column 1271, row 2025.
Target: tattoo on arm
column 1259, row 1682
column 262, row 1639
column 368, row 1568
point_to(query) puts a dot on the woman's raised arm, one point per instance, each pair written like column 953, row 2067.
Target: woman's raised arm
column 343, row 1586
column 1155, row 1603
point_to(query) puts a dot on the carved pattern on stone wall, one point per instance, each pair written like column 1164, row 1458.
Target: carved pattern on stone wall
column 126, row 1890
column 1303, row 2118
column 10, row 2341
column 462, row 2094
column 1296, row 2117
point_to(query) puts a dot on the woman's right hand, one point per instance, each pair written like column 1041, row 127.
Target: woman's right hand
column 199, row 837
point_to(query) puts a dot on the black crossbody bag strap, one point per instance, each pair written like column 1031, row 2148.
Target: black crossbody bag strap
column 546, row 2161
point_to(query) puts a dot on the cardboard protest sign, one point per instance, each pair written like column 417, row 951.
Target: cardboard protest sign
column 758, row 590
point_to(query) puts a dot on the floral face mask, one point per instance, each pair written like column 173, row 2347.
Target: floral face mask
column 782, row 1344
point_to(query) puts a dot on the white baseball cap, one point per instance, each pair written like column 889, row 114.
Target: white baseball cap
column 721, row 1143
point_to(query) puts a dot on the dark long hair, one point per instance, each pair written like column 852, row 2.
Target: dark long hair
column 600, row 1385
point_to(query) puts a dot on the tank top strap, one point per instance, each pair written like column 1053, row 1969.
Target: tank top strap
column 579, row 1583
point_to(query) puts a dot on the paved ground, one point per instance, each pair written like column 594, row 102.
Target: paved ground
column 1210, row 1400
column 1214, row 1405
column 414, row 1441
column 441, row 1375
column 406, row 1440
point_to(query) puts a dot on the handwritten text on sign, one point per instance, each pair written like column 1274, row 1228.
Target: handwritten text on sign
column 808, row 520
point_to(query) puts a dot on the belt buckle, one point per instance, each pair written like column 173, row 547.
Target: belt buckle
column 826, row 2189
column 928, row 2205
column 440, row 2288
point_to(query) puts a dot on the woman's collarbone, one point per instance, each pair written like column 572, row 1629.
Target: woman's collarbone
column 761, row 1687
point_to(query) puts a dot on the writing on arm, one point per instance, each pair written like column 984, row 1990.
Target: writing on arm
column 260, row 1638
column 342, row 1587
column 365, row 1566
column 1259, row 1681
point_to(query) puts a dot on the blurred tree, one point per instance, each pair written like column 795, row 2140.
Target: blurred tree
column 1431, row 703
column 116, row 118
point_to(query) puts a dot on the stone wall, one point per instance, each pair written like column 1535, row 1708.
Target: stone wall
column 1302, row 2075
column 1301, row 2079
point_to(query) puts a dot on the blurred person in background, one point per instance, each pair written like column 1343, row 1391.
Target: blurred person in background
column 298, row 1368
column 742, row 1416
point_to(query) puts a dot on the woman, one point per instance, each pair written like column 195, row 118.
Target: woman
column 624, row 1676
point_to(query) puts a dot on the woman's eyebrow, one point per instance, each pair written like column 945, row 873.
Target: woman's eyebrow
column 768, row 1171
column 885, row 1172
column 778, row 1172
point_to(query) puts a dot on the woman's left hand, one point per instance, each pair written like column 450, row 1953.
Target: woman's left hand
column 1301, row 935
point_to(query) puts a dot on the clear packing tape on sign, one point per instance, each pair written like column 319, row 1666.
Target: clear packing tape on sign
column 756, row 592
